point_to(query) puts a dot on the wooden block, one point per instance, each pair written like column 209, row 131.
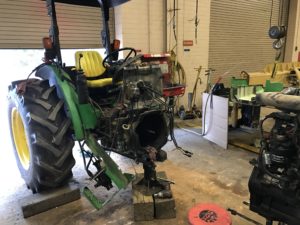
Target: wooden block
column 164, row 208
column 44, row 201
column 147, row 208
column 143, row 206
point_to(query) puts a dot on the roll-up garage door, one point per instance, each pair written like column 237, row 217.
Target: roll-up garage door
column 23, row 23
column 239, row 35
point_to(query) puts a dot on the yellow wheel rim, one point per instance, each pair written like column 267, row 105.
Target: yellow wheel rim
column 19, row 137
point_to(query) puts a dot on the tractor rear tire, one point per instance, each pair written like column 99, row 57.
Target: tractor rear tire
column 40, row 132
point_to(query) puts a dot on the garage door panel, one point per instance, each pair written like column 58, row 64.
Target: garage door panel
column 239, row 36
column 24, row 23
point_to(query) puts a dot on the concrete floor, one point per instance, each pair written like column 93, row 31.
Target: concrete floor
column 212, row 175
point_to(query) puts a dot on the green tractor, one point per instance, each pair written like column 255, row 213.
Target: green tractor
column 106, row 105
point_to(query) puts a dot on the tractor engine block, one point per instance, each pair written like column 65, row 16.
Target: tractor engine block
column 131, row 135
column 141, row 120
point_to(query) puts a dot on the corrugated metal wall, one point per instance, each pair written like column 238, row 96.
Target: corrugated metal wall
column 239, row 35
column 23, row 23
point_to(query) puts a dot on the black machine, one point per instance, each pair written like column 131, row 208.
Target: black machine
column 274, row 184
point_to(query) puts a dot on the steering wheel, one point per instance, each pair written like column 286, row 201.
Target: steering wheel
column 110, row 55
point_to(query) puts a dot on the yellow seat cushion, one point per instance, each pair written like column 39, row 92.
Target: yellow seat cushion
column 99, row 82
column 91, row 64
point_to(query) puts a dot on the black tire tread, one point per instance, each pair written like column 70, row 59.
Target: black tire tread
column 38, row 101
column 50, row 136
column 47, row 93
column 43, row 143
column 63, row 157
column 55, row 110
column 57, row 139
column 45, row 123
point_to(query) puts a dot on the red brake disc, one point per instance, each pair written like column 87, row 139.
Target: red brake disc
column 209, row 214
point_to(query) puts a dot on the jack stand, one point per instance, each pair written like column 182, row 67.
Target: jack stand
column 149, row 179
column 152, row 196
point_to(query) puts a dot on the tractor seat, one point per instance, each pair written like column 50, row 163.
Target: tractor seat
column 91, row 64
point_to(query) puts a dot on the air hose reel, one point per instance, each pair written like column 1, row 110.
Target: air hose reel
column 278, row 33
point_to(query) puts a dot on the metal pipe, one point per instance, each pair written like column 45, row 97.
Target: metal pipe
column 105, row 32
column 54, row 31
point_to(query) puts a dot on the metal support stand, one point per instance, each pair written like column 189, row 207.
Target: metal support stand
column 149, row 176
